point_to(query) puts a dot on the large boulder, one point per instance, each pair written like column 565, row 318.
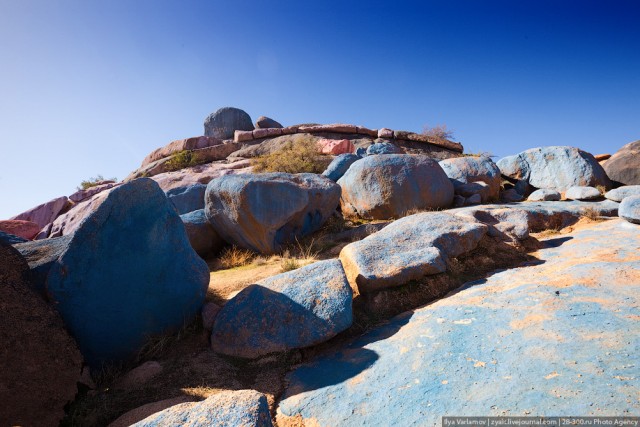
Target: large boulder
column 624, row 166
column 187, row 199
column 69, row 221
column 630, row 209
column 224, row 122
column 246, row 408
column 466, row 171
column 202, row 236
column 387, row 186
column 339, row 166
column 292, row 310
column 617, row 194
column 127, row 273
column 41, row 255
column 264, row 122
column 25, row 229
column 263, row 212
column 41, row 364
column 408, row 249
column 45, row 213
column 555, row 168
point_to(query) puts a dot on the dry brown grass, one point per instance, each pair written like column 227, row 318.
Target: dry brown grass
column 234, row 256
column 438, row 131
column 549, row 232
column 602, row 189
column 591, row 214
column 297, row 156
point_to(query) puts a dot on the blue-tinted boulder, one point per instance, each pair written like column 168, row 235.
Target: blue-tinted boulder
column 41, row 255
column 292, row 310
column 387, row 186
column 339, row 166
column 618, row 194
column 555, row 168
column 630, row 209
column 361, row 152
column 263, row 212
column 624, row 166
column 224, row 122
column 187, row 199
column 11, row 239
column 202, row 236
column 246, row 408
column 582, row 193
column 408, row 249
column 383, row 148
column 544, row 195
column 463, row 171
column 127, row 273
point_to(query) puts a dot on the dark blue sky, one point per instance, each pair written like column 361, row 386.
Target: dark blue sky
column 91, row 87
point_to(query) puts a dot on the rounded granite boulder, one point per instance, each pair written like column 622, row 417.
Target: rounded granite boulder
column 223, row 123
column 624, row 166
column 618, row 194
column 582, row 193
column 383, row 147
column 463, row 171
column 390, row 185
column 340, row 165
column 544, row 195
column 127, row 273
column 630, row 209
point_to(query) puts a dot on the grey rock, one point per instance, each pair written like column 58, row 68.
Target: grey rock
column 203, row 237
column 544, row 195
column 383, row 148
column 624, row 166
column 339, row 166
column 264, row 122
column 620, row 193
column 468, row 170
column 582, row 193
column 630, row 209
column 224, row 122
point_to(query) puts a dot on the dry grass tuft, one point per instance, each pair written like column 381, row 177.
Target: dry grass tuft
column 297, row 156
column 236, row 257
column 591, row 214
column 554, row 231
column 438, row 131
column 602, row 189
column 182, row 159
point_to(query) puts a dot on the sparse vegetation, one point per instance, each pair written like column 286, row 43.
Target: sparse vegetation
column 478, row 154
column 297, row 156
column 550, row 232
column 92, row 182
column 438, row 131
column 602, row 189
column 233, row 257
column 591, row 214
column 183, row 159
column 288, row 263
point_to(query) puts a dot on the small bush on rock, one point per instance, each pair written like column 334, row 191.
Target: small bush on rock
column 183, row 159
column 438, row 131
column 92, row 182
column 297, row 156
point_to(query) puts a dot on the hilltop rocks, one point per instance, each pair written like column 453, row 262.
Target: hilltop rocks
column 68, row 222
column 408, row 249
column 40, row 362
column 45, row 213
column 25, row 229
column 335, row 146
column 127, row 273
column 624, row 166
column 225, row 121
column 582, row 193
column 267, row 123
column 555, row 168
column 387, row 186
column 466, row 171
column 187, row 199
column 202, row 236
column 246, row 408
column 339, row 166
column 304, row 307
column 262, row 212
column 544, row 195
column 82, row 195
column 630, row 209
column 620, row 193
column 194, row 143
column 383, row 148
column 202, row 174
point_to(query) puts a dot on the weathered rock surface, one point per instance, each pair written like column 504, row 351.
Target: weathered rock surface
column 582, row 193
column 387, row 186
column 195, row 143
column 225, row 409
column 138, row 414
column 127, row 273
column 139, row 376
column 554, row 337
column 510, row 196
column 68, row 222
column 225, row 121
column 45, row 213
column 40, row 361
column 82, row 195
column 408, row 249
column 187, row 199
column 339, row 166
column 505, row 223
column 630, row 209
column 617, row 194
column 262, row 212
column 201, row 174
column 209, row 313
column 335, row 146
column 463, row 171
column 555, row 168
column 266, row 123
column 25, row 229
column 203, row 237
column 383, row 148
column 41, row 255
column 544, row 195
column 624, row 165
column 304, row 307
column 10, row 239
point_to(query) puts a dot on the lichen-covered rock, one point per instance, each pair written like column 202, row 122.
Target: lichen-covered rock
column 263, row 212
column 630, row 209
column 225, row 121
column 387, row 186
column 25, row 229
column 41, row 364
column 202, row 236
column 582, row 193
column 339, row 166
column 408, row 249
column 467, row 170
column 383, row 148
column 246, row 408
column 187, row 199
column 264, row 122
column 544, row 195
column 296, row 309
column 624, row 166
column 127, row 273
column 555, row 168
column 617, row 194
column 45, row 213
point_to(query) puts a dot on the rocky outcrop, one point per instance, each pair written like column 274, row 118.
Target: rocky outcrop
column 201, row 174
column 408, row 249
column 387, row 186
column 624, row 166
column 128, row 272
column 68, row 222
column 41, row 364
column 304, row 307
column 630, row 209
column 335, row 146
column 224, row 122
column 582, row 193
column 25, row 229
column 617, row 194
column 187, row 199
column 467, row 172
column 339, row 166
column 226, row 408
column 195, row 143
column 82, row 195
column 45, row 213
column 383, row 148
column 263, row 212
column 554, row 168
column 41, row 255
column 544, row 195
column 202, row 236
column 266, row 123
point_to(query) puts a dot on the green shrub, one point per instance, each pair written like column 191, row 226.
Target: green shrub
column 296, row 156
column 92, row 182
column 182, row 159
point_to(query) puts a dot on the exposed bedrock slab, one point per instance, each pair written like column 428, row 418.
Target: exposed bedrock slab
column 408, row 249
column 559, row 337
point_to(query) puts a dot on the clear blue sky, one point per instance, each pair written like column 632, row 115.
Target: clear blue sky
column 90, row 87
